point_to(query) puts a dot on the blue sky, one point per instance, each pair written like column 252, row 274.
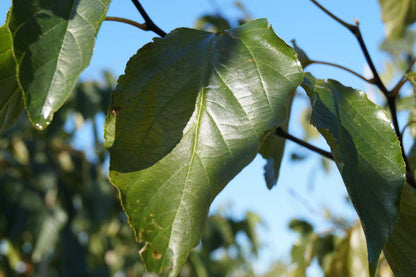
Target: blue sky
column 322, row 39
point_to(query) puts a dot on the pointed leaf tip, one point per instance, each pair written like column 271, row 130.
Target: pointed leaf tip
column 303, row 58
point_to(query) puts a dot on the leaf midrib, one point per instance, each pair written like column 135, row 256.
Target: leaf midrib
column 194, row 147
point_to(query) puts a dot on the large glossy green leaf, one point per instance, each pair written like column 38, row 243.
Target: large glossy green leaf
column 367, row 154
column 53, row 43
column 11, row 101
column 188, row 115
column 401, row 246
column 397, row 14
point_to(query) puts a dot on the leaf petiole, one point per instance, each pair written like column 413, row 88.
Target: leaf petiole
column 127, row 21
column 284, row 134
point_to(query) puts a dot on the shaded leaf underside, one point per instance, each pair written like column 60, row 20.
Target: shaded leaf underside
column 188, row 115
column 272, row 149
column 400, row 247
column 367, row 154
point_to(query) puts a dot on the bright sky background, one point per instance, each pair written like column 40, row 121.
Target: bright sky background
column 322, row 39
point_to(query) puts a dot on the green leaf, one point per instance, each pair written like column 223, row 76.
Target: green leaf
column 213, row 23
column 188, row 115
column 348, row 258
column 397, row 14
column 400, row 247
column 303, row 58
column 300, row 226
column 357, row 261
column 53, row 43
column 411, row 156
column 406, row 103
column 323, row 247
column 272, row 150
column 49, row 234
column 400, row 46
column 303, row 249
column 309, row 130
column 221, row 233
column 411, row 77
column 367, row 153
column 250, row 224
column 11, row 102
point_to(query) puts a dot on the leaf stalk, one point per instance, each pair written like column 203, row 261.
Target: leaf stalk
column 282, row 133
column 370, row 81
column 127, row 21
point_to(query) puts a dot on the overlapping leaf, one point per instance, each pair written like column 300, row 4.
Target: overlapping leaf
column 272, row 150
column 401, row 245
column 367, row 154
column 397, row 14
column 188, row 115
column 53, row 43
column 11, row 101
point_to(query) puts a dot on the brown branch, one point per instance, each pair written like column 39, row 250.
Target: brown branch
column 150, row 25
column 282, row 133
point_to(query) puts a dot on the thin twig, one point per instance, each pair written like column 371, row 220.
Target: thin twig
column 284, row 134
column 391, row 101
column 336, row 18
column 150, row 25
column 371, row 81
column 377, row 79
column 127, row 21
column 357, row 33
column 403, row 80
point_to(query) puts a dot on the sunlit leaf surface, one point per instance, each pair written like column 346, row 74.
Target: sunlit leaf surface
column 188, row 115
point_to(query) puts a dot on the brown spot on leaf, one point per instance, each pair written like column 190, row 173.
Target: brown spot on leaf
column 115, row 111
column 156, row 255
